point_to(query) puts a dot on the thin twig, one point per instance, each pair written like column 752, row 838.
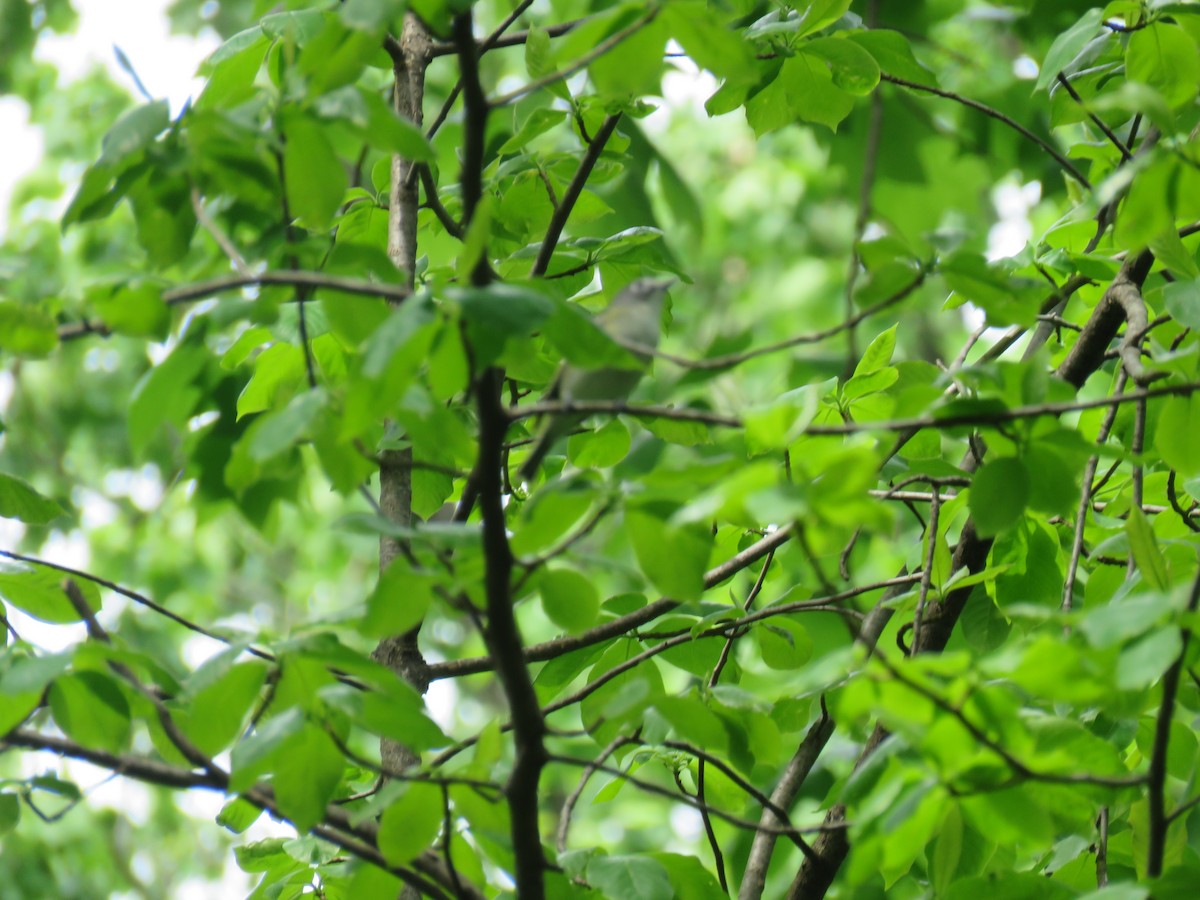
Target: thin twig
column 137, row 598
column 733, row 359
column 1156, row 780
column 931, row 532
column 1085, row 501
column 562, row 210
column 583, row 62
column 227, row 246
column 1096, row 120
column 1065, row 163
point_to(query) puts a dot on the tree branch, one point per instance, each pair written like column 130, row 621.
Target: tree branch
column 1158, row 821
column 557, row 647
column 562, row 211
column 583, row 62
column 1016, row 126
column 502, row 635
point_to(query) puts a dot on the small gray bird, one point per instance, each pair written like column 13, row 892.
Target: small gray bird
column 632, row 319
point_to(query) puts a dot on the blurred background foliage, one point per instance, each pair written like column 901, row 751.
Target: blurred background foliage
column 162, row 495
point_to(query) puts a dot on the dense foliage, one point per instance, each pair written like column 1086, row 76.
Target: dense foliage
column 882, row 582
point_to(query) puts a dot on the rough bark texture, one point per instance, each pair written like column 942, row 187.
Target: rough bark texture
column 400, row 652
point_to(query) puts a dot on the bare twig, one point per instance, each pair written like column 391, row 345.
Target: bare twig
column 583, row 62
column 931, row 533
column 562, row 210
column 1156, row 779
column 502, row 635
column 1065, row 163
column 1096, row 120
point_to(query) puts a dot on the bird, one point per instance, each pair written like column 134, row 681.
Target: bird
column 633, row 320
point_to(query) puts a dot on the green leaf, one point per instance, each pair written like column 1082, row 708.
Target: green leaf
column 237, row 815
column 689, row 878
column 634, row 67
column 165, row 219
column 369, row 15
column 867, row 385
column 1182, row 299
column 134, row 131
column 673, row 557
column 821, row 13
column 31, row 674
column 1144, row 661
column 91, row 709
column 536, row 123
column 306, row 775
column 569, row 598
column 624, row 696
column 136, row 310
column 281, row 429
column 232, row 69
column 388, row 130
column 1144, row 215
column 540, row 62
column 215, row 716
column 1146, row 554
column 810, row 92
column 600, row 449
column 630, row 878
column 1052, row 481
column 1006, row 301
column 166, row 394
column 252, row 756
column 263, row 856
column 1068, row 46
column 10, row 812
column 315, row 178
column 26, row 330
column 549, row 516
column 999, row 493
column 16, row 710
column 411, row 823
column 892, row 51
column 38, row 590
column 946, row 851
column 498, row 313
column 1164, row 56
column 785, row 646
column 394, row 710
column 1175, row 434
column 299, row 26
column 278, row 371
column 701, row 32
column 694, row 721
column 853, row 69
column 878, row 354
column 19, row 500
column 399, row 600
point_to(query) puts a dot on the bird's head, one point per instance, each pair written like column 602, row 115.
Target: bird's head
column 644, row 291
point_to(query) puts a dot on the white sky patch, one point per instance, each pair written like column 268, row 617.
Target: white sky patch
column 686, row 824
column 1025, row 67
column 1013, row 203
column 441, row 701
column 165, row 63
column 99, row 788
column 1008, row 237
column 685, row 86
column 143, row 486
column 20, row 152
